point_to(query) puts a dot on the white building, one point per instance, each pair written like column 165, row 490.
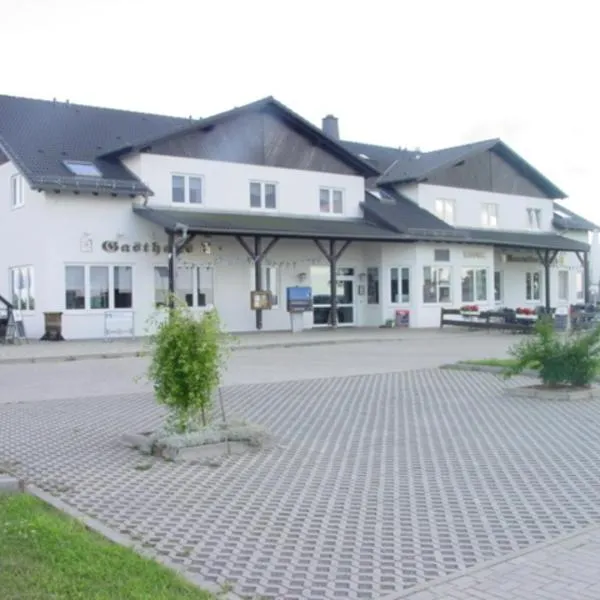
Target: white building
column 95, row 199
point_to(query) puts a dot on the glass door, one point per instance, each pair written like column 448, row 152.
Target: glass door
column 321, row 289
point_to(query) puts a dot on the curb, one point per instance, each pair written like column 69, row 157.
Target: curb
column 10, row 484
column 469, row 572
column 463, row 366
column 142, row 353
column 118, row 538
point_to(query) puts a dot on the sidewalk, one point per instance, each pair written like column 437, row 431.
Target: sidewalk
column 564, row 569
column 34, row 351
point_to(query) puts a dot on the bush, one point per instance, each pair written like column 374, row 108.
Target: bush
column 188, row 355
column 568, row 360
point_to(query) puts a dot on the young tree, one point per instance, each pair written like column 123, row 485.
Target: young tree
column 188, row 357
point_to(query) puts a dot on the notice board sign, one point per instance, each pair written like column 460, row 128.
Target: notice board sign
column 299, row 299
column 118, row 324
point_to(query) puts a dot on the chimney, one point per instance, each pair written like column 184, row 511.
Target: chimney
column 331, row 127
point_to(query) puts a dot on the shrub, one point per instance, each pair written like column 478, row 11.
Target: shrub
column 188, row 355
column 559, row 360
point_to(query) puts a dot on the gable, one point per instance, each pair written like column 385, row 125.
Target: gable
column 257, row 138
column 487, row 172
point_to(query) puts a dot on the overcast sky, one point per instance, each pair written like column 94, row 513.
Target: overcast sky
column 418, row 73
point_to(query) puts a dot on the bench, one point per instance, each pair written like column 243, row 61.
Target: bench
column 503, row 320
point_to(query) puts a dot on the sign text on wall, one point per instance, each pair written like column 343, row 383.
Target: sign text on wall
column 112, row 246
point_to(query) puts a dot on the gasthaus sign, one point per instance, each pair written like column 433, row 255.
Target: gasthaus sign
column 112, row 247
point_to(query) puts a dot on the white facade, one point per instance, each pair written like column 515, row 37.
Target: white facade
column 470, row 207
column 54, row 246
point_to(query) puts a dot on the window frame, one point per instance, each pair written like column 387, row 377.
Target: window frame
column 87, row 297
column 534, row 218
column 500, row 274
column 488, row 215
column 196, row 281
column 17, row 191
column 444, row 216
column 558, row 285
column 263, row 195
column 436, row 269
column 532, row 274
column 186, row 188
column 274, row 294
column 476, row 273
column 30, row 305
column 331, row 191
column 373, row 286
column 399, row 295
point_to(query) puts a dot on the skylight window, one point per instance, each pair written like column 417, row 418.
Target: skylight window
column 82, row 168
column 560, row 213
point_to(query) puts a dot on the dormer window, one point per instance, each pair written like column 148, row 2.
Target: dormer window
column 82, row 168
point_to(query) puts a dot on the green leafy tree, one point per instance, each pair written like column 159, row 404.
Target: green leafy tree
column 559, row 359
column 188, row 357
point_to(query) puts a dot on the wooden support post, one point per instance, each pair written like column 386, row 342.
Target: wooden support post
column 547, row 257
column 257, row 254
column 172, row 256
column 258, row 277
column 332, row 257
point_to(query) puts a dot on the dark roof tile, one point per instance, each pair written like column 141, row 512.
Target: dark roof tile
column 272, row 225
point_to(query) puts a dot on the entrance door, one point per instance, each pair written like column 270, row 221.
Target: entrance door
column 321, row 288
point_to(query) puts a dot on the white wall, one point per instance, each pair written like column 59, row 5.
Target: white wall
column 73, row 228
column 22, row 242
column 226, row 185
column 512, row 210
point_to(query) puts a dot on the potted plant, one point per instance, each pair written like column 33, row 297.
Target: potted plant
column 469, row 310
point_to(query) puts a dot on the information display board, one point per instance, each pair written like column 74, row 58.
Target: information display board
column 299, row 299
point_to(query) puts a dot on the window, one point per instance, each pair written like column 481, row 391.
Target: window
column 534, row 218
column 263, row 195
column 436, row 285
column 440, row 255
column 400, row 285
column 498, row 287
column 579, row 285
column 186, row 188
column 372, row 285
column 489, row 215
column 270, row 283
column 161, row 286
column 17, row 197
column 474, row 285
column 445, row 209
column 193, row 285
column 22, row 288
column 122, row 287
column 563, row 285
column 98, row 287
column 532, row 286
column 82, row 168
column 331, row 201
column 75, row 288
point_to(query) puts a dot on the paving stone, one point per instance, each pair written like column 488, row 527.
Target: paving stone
column 394, row 478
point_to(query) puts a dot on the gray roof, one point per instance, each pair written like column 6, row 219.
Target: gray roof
column 566, row 219
column 199, row 221
column 399, row 165
column 401, row 213
column 38, row 135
